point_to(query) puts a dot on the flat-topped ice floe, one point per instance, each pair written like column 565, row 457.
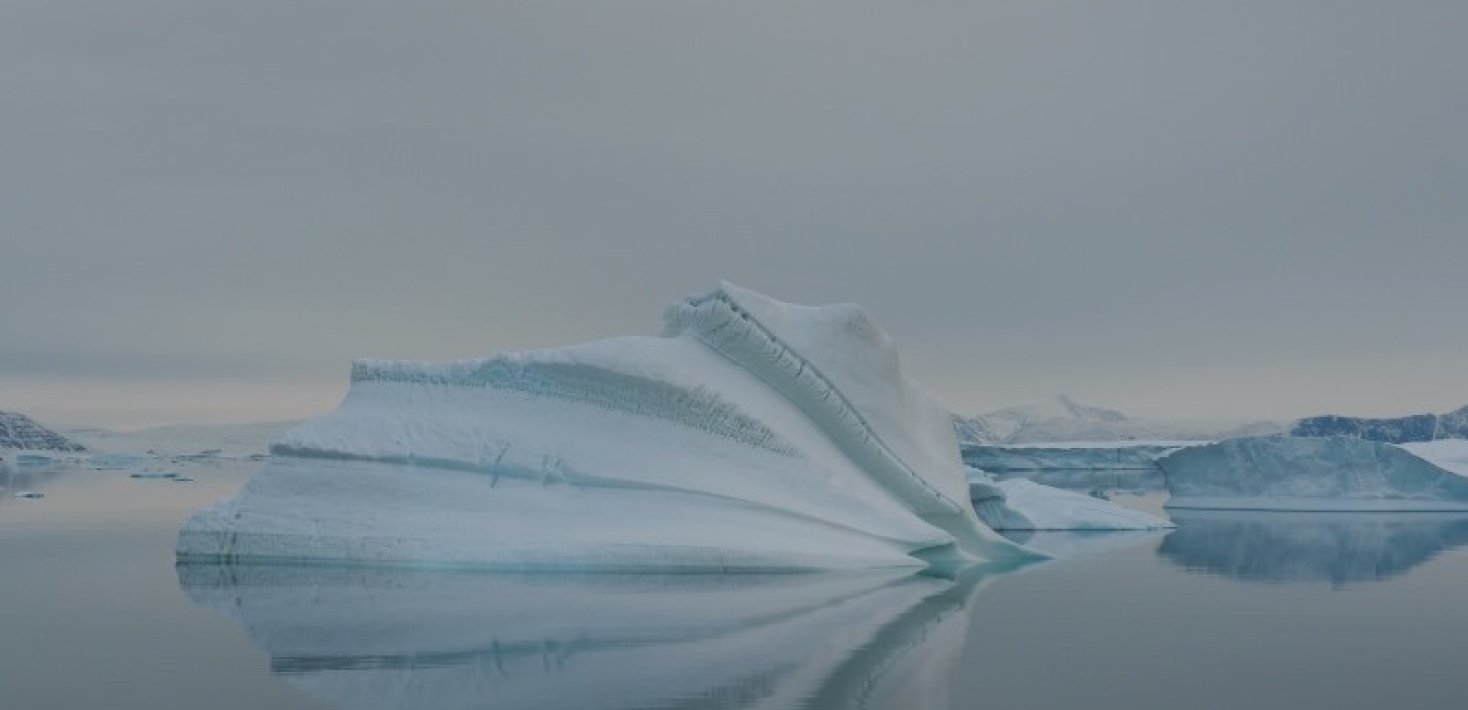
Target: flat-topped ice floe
column 752, row 435
column 1303, row 473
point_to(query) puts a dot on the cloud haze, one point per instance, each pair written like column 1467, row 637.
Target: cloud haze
column 1250, row 208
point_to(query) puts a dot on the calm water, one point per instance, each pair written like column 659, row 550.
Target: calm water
column 1229, row 611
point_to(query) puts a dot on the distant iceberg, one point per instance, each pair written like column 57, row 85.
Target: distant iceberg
column 1302, row 473
column 752, row 435
column 1102, row 456
column 1019, row 504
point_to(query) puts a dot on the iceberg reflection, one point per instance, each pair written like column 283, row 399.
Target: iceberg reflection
column 389, row 638
column 1334, row 547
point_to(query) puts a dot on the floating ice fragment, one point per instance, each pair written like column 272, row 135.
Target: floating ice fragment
column 117, row 462
column 1019, row 504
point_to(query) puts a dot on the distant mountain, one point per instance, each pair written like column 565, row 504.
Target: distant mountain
column 1399, row 430
column 18, row 431
column 1066, row 420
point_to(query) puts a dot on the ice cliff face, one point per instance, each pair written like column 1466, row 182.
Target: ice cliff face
column 18, row 431
column 1300, row 473
column 1400, row 430
column 751, row 435
column 1001, row 459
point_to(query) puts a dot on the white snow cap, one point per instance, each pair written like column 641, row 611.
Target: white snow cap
column 752, row 435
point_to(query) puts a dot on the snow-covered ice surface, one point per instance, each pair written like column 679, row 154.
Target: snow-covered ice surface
column 752, row 435
column 1020, row 504
column 1301, row 473
column 1447, row 454
column 392, row 638
column 1027, row 505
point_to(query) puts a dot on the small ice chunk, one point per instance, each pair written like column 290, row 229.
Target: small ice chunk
column 1019, row 504
column 117, row 462
column 156, row 474
column 32, row 495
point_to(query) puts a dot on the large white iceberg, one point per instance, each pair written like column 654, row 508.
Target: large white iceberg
column 1303, row 473
column 751, row 435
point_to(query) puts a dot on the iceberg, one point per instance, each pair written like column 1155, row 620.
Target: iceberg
column 1106, row 456
column 1303, row 473
column 1019, row 504
column 751, row 435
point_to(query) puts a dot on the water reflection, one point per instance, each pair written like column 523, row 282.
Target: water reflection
column 1339, row 548
column 364, row 638
column 1065, row 544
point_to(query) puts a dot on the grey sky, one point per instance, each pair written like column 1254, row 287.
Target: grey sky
column 1245, row 208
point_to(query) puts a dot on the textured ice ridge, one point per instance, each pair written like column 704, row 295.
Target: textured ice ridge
column 581, row 383
column 751, row 435
column 1306, row 473
column 733, row 331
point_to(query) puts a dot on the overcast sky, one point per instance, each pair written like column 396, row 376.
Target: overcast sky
column 1170, row 208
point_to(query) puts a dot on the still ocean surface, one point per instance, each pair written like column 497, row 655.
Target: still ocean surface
column 1228, row 611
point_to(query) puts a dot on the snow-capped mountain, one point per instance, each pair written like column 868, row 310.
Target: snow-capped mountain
column 1399, row 430
column 18, row 431
column 1066, row 420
